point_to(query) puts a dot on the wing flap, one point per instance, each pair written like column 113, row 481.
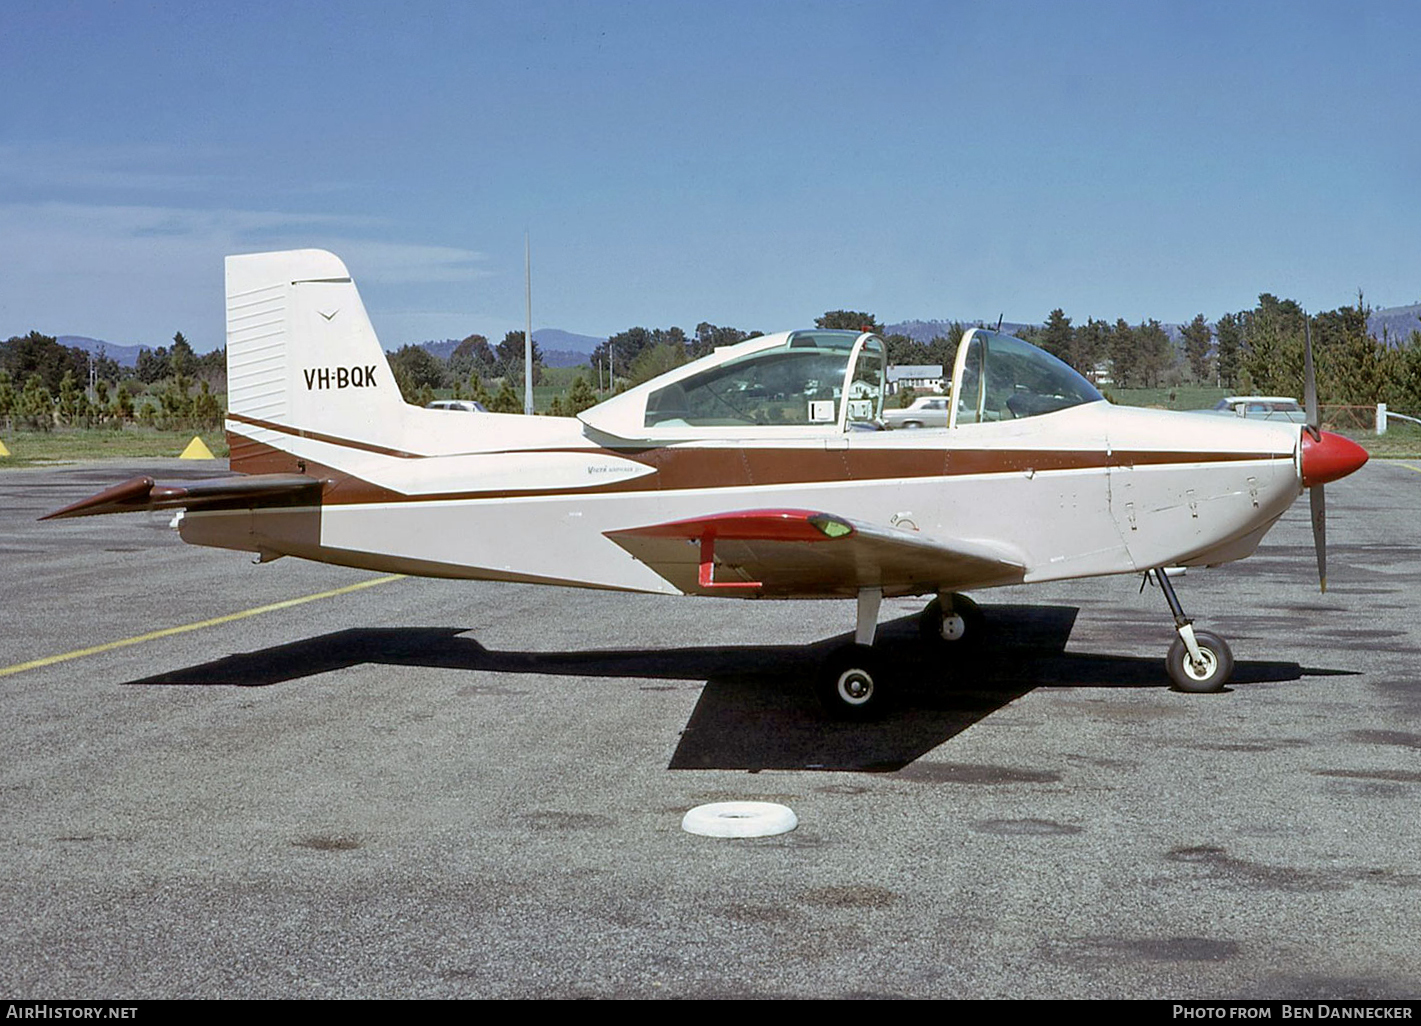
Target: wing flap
column 791, row 553
column 142, row 493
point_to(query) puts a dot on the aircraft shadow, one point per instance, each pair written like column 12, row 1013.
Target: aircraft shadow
column 746, row 717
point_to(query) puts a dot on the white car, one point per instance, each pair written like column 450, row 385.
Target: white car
column 1263, row 407
column 466, row 405
column 926, row 411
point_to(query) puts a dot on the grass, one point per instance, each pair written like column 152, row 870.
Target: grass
column 64, row 444
column 1181, row 397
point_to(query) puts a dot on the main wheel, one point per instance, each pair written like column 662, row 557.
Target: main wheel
column 851, row 683
column 961, row 625
column 1210, row 675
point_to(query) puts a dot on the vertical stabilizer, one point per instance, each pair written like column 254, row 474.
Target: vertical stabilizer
column 301, row 353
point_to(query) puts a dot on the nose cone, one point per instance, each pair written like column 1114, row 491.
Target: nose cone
column 1330, row 458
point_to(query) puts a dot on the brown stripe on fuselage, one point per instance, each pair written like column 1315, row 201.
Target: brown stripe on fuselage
column 697, row 467
column 317, row 436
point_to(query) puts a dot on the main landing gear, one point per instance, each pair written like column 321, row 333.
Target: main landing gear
column 855, row 682
column 1198, row 661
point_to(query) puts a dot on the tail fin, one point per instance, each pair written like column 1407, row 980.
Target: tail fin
column 301, row 353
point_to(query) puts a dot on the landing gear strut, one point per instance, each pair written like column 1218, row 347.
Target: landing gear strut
column 1198, row 661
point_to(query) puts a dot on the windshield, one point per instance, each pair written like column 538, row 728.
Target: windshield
column 1000, row 377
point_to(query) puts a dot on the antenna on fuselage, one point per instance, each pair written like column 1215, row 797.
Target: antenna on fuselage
column 999, row 320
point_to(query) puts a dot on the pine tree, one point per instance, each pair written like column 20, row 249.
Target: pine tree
column 1198, row 338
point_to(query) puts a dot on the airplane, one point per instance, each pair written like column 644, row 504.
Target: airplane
column 762, row 470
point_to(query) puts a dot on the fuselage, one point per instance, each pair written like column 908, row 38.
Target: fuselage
column 1093, row 489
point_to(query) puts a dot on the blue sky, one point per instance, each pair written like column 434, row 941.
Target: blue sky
column 749, row 164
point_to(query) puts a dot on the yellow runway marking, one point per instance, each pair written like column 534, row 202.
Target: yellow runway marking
column 1408, row 466
column 79, row 653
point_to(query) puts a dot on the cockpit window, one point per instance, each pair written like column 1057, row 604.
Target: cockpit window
column 1000, row 377
column 798, row 383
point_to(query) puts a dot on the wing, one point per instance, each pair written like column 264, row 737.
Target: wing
column 793, row 553
column 243, row 490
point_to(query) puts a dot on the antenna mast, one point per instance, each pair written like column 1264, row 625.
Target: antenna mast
column 528, row 332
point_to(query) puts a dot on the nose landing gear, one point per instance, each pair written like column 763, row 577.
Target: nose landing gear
column 1198, row 661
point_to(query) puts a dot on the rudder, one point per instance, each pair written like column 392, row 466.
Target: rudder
column 301, row 352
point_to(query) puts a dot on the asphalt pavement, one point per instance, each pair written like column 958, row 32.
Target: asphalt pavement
column 391, row 787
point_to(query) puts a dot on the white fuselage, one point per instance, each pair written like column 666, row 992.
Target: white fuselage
column 1090, row 490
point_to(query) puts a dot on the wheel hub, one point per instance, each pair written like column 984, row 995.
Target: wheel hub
column 953, row 627
column 1204, row 668
column 855, row 686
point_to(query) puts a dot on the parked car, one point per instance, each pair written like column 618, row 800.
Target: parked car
column 466, row 405
column 926, row 411
column 1262, row 407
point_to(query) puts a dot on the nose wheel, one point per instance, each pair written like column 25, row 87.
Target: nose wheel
column 1210, row 672
column 1198, row 661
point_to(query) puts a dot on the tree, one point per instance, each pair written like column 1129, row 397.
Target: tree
column 206, row 410
column 39, row 354
column 507, row 400
column 35, row 407
column 1406, row 377
column 1352, row 365
column 473, row 356
column 181, row 358
column 415, row 368
column 1229, row 348
column 849, row 320
column 1057, row 335
column 1198, row 338
column 1090, row 344
column 902, row 350
column 580, row 396
column 510, row 357
column 709, row 337
column 656, row 360
column 1124, row 358
column 1273, row 340
column 620, row 351
column 8, row 398
column 1155, row 352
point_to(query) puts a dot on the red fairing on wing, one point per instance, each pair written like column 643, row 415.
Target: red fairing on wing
column 1329, row 458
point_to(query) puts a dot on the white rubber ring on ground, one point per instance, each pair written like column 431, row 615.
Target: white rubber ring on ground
column 739, row 819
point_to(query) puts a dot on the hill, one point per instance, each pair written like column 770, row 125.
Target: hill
column 124, row 356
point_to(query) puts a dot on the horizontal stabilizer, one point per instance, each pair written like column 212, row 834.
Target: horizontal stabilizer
column 802, row 553
column 142, row 493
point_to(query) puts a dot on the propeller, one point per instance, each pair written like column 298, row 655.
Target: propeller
column 1317, row 499
column 1325, row 457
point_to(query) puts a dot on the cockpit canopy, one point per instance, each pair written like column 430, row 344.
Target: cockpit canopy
column 797, row 381
column 813, row 382
column 1001, row 377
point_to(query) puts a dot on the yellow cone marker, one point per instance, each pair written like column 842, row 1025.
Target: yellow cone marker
column 197, row 450
column 4, row 451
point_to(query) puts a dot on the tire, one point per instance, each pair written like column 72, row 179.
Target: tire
column 912, row 424
column 852, row 684
column 1218, row 668
column 962, row 628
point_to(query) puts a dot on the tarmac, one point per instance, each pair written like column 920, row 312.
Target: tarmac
column 221, row 780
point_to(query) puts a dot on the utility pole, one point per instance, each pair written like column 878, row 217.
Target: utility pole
column 528, row 332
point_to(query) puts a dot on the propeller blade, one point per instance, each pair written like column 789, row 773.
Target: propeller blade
column 1319, row 532
column 1314, row 421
